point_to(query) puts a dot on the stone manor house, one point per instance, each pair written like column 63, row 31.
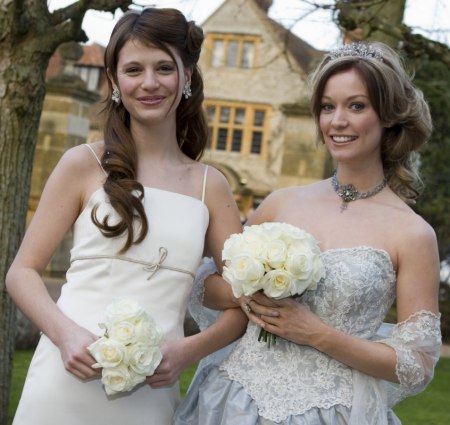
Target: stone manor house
column 262, row 136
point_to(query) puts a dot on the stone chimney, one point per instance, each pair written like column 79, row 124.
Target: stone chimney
column 264, row 5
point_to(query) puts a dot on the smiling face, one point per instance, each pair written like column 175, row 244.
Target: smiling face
column 150, row 82
column 350, row 126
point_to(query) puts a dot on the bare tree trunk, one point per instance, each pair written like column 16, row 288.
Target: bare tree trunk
column 29, row 35
column 20, row 106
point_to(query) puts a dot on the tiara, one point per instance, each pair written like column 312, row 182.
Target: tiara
column 361, row 50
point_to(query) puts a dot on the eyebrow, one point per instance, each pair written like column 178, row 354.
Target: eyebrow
column 138, row 62
column 349, row 98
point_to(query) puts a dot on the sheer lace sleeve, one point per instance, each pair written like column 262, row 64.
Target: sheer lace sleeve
column 202, row 315
column 417, row 343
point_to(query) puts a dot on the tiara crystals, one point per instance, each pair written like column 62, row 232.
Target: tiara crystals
column 358, row 49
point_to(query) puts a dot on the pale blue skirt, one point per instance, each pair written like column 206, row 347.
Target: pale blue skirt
column 214, row 399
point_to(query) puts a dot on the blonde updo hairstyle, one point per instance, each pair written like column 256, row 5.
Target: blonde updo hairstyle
column 397, row 102
column 162, row 28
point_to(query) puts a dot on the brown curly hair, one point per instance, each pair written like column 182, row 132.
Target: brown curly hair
column 161, row 28
column 398, row 104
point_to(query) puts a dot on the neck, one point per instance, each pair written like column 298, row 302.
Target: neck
column 158, row 141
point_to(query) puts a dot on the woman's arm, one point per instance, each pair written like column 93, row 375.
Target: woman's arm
column 231, row 323
column 224, row 221
column 179, row 354
column 59, row 206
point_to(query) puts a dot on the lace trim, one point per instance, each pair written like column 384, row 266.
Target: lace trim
column 420, row 313
column 287, row 379
column 416, row 341
column 202, row 315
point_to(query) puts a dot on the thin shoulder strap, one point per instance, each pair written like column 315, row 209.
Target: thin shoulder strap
column 97, row 158
column 204, row 183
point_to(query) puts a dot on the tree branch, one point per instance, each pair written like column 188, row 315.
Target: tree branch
column 353, row 16
column 77, row 10
column 417, row 45
column 66, row 22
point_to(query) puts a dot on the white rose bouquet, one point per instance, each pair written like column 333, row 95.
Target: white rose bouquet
column 278, row 259
column 129, row 350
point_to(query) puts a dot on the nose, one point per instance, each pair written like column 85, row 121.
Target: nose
column 150, row 81
column 339, row 118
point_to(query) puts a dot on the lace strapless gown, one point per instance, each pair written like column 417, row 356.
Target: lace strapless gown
column 177, row 225
column 298, row 385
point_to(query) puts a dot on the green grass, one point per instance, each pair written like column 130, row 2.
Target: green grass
column 21, row 360
column 185, row 379
column 427, row 408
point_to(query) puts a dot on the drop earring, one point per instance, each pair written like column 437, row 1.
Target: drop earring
column 187, row 92
column 116, row 96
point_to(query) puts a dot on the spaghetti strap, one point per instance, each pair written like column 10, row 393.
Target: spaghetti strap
column 204, row 183
column 97, row 158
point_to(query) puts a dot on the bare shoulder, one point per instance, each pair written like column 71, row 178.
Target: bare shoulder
column 294, row 194
column 78, row 172
column 81, row 158
column 415, row 230
column 279, row 204
column 223, row 210
column 218, row 188
column 215, row 178
column 416, row 242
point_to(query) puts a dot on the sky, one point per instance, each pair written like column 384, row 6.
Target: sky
column 430, row 18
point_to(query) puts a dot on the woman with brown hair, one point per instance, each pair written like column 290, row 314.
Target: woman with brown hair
column 143, row 210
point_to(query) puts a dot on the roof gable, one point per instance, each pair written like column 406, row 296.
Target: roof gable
column 246, row 17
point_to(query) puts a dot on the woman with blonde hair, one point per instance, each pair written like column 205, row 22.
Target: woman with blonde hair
column 330, row 364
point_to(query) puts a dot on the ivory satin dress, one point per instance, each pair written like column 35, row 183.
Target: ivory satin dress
column 158, row 273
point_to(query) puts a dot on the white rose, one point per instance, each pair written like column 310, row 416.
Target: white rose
column 246, row 243
column 135, row 378
column 300, row 264
column 123, row 309
column 276, row 251
column 144, row 359
column 118, row 379
column 266, row 231
column 244, row 275
column 254, row 247
column 304, row 262
column 295, row 234
column 107, row 352
column 147, row 332
column 234, row 245
column 245, row 268
column 278, row 284
column 122, row 331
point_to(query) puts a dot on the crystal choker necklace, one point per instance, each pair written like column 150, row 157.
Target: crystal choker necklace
column 349, row 193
